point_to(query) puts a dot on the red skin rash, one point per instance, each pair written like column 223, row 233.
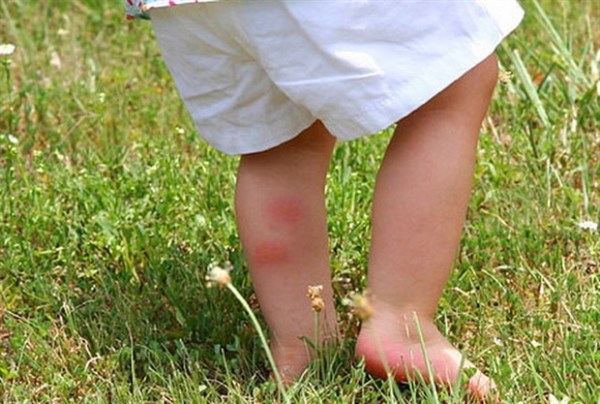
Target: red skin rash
column 270, row 253
column 281, row 213
column 285, row 211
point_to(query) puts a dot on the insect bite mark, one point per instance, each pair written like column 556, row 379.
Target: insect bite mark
column 270, row 253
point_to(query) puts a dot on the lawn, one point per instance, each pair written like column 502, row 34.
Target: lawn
column 111, row 212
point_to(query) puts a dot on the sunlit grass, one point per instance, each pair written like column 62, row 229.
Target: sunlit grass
column 111, row 211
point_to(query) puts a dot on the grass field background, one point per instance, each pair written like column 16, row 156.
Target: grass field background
column 111, row 211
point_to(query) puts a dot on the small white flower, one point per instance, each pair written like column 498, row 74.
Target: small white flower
column 6, row 49
column 588, row 225
column 55, row 60
column 553, row 400
column 12, row 139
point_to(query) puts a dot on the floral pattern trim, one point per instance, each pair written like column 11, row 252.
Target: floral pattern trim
column 140, row 8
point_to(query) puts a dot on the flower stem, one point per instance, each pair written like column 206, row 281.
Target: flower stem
column 263, row 340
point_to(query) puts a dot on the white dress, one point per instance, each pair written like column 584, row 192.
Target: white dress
column 255, row 73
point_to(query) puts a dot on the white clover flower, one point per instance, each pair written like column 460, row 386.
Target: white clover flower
column 588, row 225
column 12, row 139
column 7, row 49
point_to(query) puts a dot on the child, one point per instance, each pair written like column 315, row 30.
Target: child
column 278, row 82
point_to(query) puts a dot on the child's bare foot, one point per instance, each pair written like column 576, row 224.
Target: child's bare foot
column 389, row 342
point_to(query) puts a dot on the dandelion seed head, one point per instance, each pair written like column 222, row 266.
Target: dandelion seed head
column 218, row 276
column 361, row 305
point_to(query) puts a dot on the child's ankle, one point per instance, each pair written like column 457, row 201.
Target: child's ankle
column 293, row 356
column 291, row 359
column 406, row 322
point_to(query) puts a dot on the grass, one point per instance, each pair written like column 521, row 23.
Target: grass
column 111, row 211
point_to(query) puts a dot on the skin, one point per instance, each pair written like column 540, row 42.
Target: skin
column 419, row 208
column 280, row 206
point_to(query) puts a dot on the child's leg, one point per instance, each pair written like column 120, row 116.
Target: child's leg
column 280, row 208
column 419, row 208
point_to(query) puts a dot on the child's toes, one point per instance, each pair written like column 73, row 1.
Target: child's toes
column 482, row 389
